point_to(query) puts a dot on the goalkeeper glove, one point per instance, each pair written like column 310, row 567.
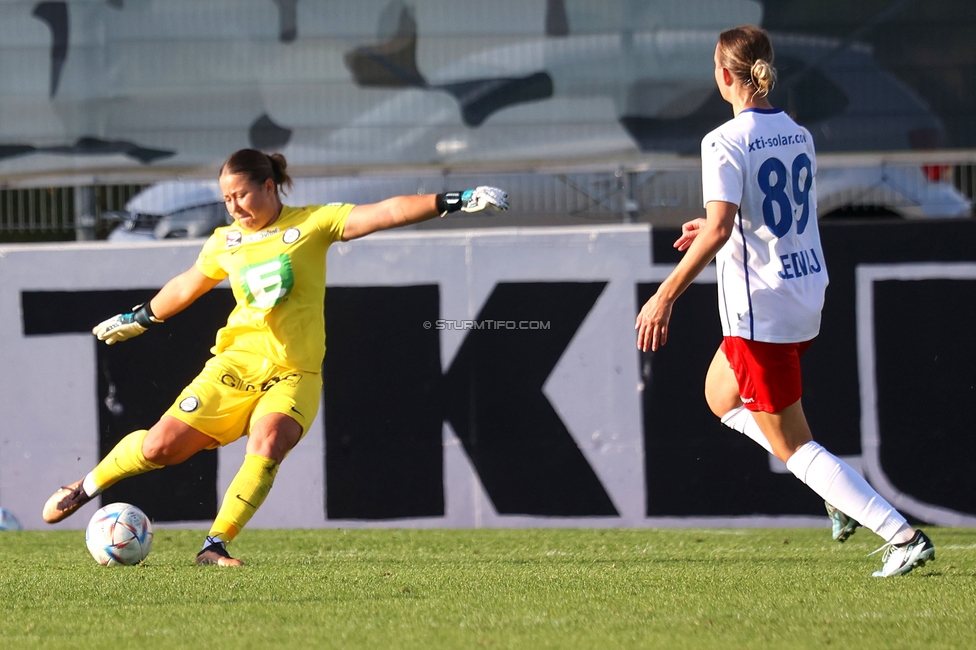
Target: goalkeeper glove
column 472, row 200
column 125, row 326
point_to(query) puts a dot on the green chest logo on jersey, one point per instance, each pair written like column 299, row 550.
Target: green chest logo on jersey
column 265, row 284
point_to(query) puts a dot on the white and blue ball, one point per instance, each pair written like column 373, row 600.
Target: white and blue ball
column 119, row 533
column 8, row 521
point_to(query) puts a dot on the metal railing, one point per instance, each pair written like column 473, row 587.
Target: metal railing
column 39, row 209
column 659, row 191
column 60, row 213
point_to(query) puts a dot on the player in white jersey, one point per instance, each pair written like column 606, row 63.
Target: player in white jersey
column 758, row 173
column 772, row 279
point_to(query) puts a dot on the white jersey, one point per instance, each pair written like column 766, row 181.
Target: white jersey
column 771, row 272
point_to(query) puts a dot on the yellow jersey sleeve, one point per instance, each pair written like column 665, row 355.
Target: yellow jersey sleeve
column 331, row 219
column 207, row 260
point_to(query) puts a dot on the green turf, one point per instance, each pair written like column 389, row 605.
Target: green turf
column 784, row 588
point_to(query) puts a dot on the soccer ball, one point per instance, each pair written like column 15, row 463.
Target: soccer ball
column 119, row 533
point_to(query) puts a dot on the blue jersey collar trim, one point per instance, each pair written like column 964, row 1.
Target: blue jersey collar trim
column 762, row 111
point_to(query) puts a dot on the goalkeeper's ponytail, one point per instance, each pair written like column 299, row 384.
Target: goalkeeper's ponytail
column 259, row 167
column 279, row 167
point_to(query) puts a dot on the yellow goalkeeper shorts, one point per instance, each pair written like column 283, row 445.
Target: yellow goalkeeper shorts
column 236, row 389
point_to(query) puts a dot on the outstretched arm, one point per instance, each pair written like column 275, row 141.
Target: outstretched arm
column 181, row 292
column 404, row 210
column 706, row 239
column 175, row 296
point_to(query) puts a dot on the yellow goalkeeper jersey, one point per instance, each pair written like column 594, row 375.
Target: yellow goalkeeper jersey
column 278, row 278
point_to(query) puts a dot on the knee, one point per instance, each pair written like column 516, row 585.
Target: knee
column 273, row 436
column 721, row 403
column 273, row 444
column 162, row 449
column 158, row 451
column 265, row 445
column 721, row 387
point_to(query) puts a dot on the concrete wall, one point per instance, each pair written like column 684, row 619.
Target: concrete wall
column 606, row 436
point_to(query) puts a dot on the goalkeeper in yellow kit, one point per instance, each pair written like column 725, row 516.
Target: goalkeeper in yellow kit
column 264, row 380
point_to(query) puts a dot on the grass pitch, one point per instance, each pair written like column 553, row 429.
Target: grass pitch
column 748, row 588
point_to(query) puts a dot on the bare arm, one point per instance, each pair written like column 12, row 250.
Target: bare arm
column 180, row 292
column 404, row 210
column 689, row 231
column 706, row 239
column 175, row 296
column 391, row 213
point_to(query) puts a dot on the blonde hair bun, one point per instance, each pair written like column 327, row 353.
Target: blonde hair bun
column 763, row 76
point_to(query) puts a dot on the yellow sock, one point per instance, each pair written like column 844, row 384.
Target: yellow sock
column 126, row 459
column 244, row 496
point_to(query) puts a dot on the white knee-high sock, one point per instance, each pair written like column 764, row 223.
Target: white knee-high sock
column 838, row 484
column 742, row 421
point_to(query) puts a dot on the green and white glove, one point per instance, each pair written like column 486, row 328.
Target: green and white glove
column 474, row 200
column 125, row 326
